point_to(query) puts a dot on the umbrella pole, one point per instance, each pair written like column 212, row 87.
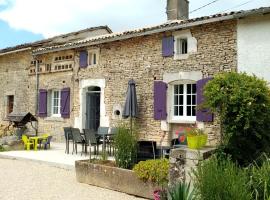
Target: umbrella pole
column 131, row 125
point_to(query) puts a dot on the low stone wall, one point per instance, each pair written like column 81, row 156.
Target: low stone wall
column 113, row 178
column 183, row 160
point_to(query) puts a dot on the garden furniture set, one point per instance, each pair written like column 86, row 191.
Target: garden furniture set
column 36, row 142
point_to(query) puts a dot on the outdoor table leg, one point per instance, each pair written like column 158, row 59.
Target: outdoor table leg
column 36, row 141
column 103, row 145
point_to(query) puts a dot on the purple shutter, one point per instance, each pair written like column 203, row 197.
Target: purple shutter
column 167, row 46
column 65, row 103
column 83, row 59
column 42, row 105
column 160, row 100
column 203, row 115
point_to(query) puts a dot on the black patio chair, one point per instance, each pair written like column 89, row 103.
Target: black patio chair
column 146, row 150
column 91, row 140
column 78, row 139
column 102, row 133
column 110, row 140
column 68, row 137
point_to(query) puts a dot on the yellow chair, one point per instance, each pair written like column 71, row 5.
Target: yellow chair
column 27, row 143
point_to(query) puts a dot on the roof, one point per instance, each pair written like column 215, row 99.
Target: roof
column 20, row 119
column 168, row 26
column 45, row 41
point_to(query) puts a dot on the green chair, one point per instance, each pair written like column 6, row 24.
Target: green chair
column 27, row 143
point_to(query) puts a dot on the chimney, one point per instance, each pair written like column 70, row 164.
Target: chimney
column 177, row 9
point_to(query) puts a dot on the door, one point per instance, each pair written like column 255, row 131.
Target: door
column 92, row 110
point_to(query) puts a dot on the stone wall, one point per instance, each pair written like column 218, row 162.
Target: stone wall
column 137, row 58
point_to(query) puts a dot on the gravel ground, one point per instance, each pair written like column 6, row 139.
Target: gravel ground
column 24, row 180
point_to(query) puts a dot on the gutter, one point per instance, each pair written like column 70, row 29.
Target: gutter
column 159, row 30
column 15, row 51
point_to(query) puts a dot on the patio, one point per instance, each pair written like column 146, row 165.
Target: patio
column 55, row 156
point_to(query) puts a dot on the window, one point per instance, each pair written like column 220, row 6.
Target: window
column 10, row 103
column 181, row 46
column 184, row 102
column 55, row 103
column 93, row 57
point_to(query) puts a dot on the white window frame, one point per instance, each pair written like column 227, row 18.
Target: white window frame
column 91, row 52
column 184, row 118
column 59, row 104
column 191, row 44
column 179, row 47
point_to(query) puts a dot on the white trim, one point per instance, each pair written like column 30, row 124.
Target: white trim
column 79, row 122
column 59, row 104
column 93, row 51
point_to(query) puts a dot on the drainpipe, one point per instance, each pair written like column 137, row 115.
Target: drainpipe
column 37, row 88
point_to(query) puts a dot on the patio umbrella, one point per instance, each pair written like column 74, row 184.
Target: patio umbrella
column 131, row 105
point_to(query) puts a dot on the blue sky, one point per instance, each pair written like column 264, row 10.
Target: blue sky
column 30, row 20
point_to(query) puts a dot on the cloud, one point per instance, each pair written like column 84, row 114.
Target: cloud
column 52, row 17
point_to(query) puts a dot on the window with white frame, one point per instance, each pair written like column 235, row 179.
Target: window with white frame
column 93, row 57
column 181, row 46
column 184, row 102
column 55, row 103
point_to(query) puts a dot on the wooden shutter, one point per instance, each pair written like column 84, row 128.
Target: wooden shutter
column 202, row 115
column 167, row 46
column 83, row 59
column 42, row 107
column 160, row 100
column 65, row 102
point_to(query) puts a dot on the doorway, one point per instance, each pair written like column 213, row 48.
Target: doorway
column 93, row 108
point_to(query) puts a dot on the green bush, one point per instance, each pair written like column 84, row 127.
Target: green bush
column 181, row 191
column 243, row 104
column 221, row 179
column 126, row 148
column 155, row 171
column 1, row 148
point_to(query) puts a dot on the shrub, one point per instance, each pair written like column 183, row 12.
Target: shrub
column 1, row 148
column 243, row 104
column 221, row 179
column 155, row 171
column 126, row 148
column 181, row 191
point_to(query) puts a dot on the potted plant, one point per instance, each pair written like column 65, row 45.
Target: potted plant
column 155, row 171
column 196, row 138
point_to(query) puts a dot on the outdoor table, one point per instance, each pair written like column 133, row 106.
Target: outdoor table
column 35, row 139
column 103, row 142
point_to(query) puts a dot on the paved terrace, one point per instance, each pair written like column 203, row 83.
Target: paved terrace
column 55, row 156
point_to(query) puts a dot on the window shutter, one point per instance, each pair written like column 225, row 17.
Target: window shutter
column 203, row 115
column 167, row 46
column 42, row 107
column 65, row 103
column 160, row 100
column 83, row 59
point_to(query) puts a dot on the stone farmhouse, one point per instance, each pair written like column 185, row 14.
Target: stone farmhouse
column 80, row 79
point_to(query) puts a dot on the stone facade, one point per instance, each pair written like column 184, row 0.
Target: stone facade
column 138, row 58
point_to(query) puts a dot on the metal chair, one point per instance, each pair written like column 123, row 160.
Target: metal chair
column 77, row 138
column 102, row 133
column 91, row 140
column 110, row 139
column 68, row 137
column 47, row 143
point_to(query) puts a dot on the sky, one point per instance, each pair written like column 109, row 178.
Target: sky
column 24, row 21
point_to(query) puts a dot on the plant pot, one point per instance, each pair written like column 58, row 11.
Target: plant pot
column 204, row 138
column 156, row 195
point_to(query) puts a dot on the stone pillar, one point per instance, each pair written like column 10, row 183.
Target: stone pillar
column 183, row 160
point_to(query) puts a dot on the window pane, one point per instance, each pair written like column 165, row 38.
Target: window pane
column 193, row 110
column 181, row 110
column 181, row 89
column 178, row 46
column 176, row 89
column 181, row 99
column 94, row 58
column 188, row 110
column 188, row 99
column 176, row 110
column 175, row 99
column 194, row 88
column 188, row 88
column 193, row 99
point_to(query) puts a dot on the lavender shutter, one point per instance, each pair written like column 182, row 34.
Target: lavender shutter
column 65, row 103
column 202, row 115
column 42, row 106
column 167, row 46
column 160, row 100
column 83, row 59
